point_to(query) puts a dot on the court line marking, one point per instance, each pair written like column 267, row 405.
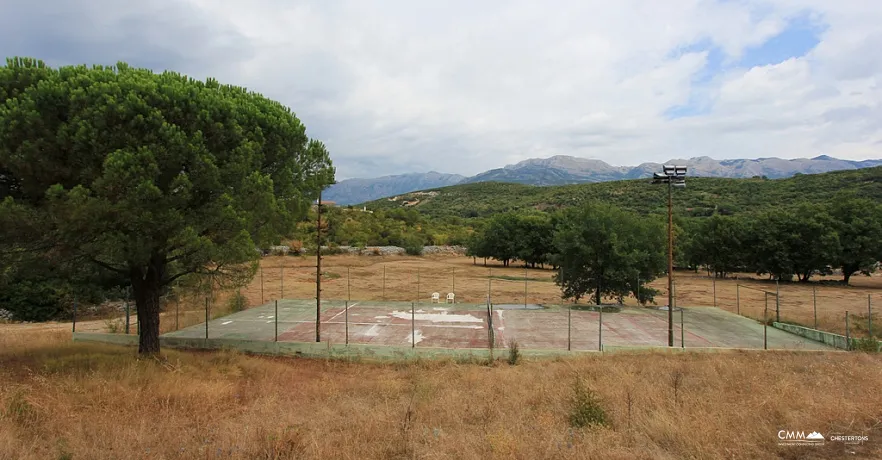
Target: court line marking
column 341, row 312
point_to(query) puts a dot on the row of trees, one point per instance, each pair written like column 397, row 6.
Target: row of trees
column 596, row 248
column 785, row 243
column 607, row 251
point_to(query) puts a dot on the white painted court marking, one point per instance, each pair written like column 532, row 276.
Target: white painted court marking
column 416, row 337
column 225, row 323
column 342, row 311
column 442, row 317
column 373, row 331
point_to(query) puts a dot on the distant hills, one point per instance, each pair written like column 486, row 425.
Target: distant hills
column 703, row 196
column 562, row 169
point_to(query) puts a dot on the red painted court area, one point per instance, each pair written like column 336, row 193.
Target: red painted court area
column 427, row 326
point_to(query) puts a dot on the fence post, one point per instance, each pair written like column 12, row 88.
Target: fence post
column 490, row 332
column 847, row 335
column 777, row 303
column 489, row 285
column 569, row 327
column 75, row 316
column 766, row 323
column 600, row 330
column 869, row 317
column 682, row 331
column 715, row 288
column 348, row 285
column 737, row 298
column 177, row 311
column 346, row 319
column 276, row 337
column 412, row 326
column 815, row 304
column 206, row 318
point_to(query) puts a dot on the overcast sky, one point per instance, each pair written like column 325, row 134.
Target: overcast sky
column 464, row 86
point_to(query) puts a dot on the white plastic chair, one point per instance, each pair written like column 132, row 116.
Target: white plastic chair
column 436, row 298
column 450, row 297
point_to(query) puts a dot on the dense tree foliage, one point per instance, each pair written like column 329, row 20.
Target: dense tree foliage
column 606, row 251
column 151, row 176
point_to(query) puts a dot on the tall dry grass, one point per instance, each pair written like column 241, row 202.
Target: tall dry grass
column 83, row 401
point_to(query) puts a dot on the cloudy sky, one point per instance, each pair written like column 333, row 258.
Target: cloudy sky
column 463, row 86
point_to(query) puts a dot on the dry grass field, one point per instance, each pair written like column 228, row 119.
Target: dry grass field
column 64, row 400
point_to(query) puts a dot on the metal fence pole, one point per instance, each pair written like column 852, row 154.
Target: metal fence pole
column 777, row 303
column 815, row 304
column 206, row 318
column 600, row 330
column 737, row 299
column 715, row 289
column 569, row 328
column 348, row 285
column 489, row 285
column 682, row 331
column 490, row 332
column 766, row 323
column 847, row 335
column 412, row 326
column 276, row 336
column 75, row 316
column 346, row 319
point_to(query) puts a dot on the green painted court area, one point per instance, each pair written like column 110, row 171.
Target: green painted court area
column 466, row 326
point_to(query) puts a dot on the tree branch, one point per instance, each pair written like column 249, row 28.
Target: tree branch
column 108, row 266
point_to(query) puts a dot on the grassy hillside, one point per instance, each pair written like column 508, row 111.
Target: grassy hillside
column 701, row 196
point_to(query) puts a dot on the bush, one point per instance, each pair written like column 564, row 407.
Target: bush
column 413, row 250
column 866, row 345
column 237, row 302
column 514, row 352
column 586, row 410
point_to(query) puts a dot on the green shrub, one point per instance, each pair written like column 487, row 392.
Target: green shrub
column 867, row 345
column 586, row 410
column 237, row 302
column 514, row 352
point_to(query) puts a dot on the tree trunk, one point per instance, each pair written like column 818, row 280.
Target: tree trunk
column 147, row 289
column 847, row 271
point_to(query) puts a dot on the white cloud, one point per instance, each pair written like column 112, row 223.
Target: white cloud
column 456, row 86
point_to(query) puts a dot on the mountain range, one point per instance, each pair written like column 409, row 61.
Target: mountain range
column 562, row 169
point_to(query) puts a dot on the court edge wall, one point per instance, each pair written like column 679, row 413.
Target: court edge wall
column 372, row 352
column 829, row 338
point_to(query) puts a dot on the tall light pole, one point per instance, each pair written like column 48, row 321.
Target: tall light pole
column 674, row 176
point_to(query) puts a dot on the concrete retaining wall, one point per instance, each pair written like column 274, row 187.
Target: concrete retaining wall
column 829, row 338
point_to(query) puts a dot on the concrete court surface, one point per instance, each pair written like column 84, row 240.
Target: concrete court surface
column 465, row 326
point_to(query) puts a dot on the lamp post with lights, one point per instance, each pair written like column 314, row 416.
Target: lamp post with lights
column 674, row 176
